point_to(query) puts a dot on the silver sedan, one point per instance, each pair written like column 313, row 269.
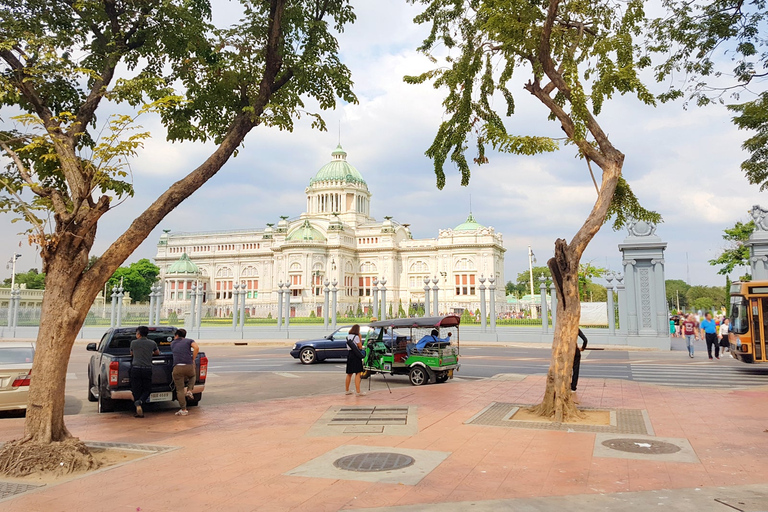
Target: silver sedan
column 15, row 373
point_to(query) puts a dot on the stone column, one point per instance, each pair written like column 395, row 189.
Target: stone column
column 112, row 319
column 243, row 292
column 287, row 305
column 492, row 293
column 14, row 302
column 482, row 302
column 553, row 300
column 235, row 297
column 383, row 315
column 158, row 301
column 758, row 244
column 621, row 292
column 334, row 292
column 435, row 300
column 544, row 311
column 151, row 306
column 375, row 312
column 643, row 259
column 192, row 307
column 279, row 305
column 120, row 296
column 326, row 312
column 611, row 308
column 427, row 310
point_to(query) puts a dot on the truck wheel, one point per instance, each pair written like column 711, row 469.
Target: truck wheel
column 194, row 402
column 418, row 375
column 307, row 355
column 91, row 396
column 105, row 404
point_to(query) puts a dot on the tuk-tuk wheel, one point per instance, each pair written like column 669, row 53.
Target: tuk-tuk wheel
column 441, row 377
column 418, row 375
column 365, row 374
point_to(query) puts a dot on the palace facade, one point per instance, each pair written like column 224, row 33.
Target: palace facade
column 336, row 239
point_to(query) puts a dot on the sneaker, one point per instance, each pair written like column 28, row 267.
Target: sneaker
column 691, row 355
column 139, row 410
column 362, row 393
column 711, row 357
column 717, row 357
column 182, row 412
column 348, row 393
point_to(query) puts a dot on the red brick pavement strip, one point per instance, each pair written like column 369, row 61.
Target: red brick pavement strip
column 233, row 457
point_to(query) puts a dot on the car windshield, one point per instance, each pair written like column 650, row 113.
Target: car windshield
column 16, row 355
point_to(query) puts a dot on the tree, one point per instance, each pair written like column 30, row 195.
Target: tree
column 137, row 279
column 32, row 278
column 60, row 64
column 576, row 55
column 510, row 288
column 705, row 297
column 586, row 272
column 524, row 279
column 693, row 37
column 676, row 293
column 400, row 310
column 736, row 254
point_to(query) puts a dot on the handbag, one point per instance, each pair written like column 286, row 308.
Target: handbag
column 354, row 348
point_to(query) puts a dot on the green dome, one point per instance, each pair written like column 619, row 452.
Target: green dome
column 338, row 169
column 305, row 232
column 183, row 266
column 470, row 225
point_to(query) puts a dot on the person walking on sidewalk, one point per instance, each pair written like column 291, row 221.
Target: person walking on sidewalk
column 709, row 332
column 142, row 350
column 577, row 364
column 354, row 359
column 184, row 374
column 689, row 331
column 725, row 328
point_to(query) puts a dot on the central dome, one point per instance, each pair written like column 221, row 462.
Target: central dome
column 338, row 169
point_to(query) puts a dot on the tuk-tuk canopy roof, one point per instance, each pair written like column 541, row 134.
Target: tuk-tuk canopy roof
column 427, row 321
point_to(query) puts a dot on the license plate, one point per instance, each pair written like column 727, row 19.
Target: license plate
column 161, row 397
column 450, row 374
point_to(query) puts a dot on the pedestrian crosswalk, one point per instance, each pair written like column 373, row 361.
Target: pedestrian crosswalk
column 706, row 374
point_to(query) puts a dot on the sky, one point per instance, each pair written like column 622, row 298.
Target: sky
column 683, row 163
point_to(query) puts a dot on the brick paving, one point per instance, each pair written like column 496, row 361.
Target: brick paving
column 234, row 458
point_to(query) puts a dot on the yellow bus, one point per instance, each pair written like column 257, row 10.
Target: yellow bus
column 749, row 321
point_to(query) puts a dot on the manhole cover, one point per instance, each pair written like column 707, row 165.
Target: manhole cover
column 371, row 462
column 641, row 446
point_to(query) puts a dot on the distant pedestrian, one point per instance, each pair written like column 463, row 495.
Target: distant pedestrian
column 577, row 364
column 184, row 373
column 709, row 331
column 354, row 359
column 725, row 328
column 142, row 350
column 689, row 331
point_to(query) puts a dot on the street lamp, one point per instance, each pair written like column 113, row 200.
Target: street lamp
column 531, row 261
column 12, row 262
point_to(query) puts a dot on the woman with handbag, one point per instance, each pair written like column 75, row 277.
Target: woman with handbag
column 354, row 359
column 725, row 328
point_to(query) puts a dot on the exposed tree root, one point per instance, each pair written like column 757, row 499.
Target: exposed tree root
column 548, row 409
column 23, row 457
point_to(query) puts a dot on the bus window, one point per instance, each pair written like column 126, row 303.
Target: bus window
column 739, row 320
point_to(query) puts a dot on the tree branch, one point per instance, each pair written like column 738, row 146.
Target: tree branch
column 26, row 88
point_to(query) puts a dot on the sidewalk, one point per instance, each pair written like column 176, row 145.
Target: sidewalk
column 235, row 458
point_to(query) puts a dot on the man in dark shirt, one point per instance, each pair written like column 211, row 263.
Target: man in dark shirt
column 577, row 363
column 184, row 374
column 142, row 350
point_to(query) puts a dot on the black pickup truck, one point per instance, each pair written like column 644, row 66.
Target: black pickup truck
column 109, row 369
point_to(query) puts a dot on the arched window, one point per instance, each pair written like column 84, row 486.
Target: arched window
column 419, row 267
column 464, row 264
column 368, row 267
column 249, row 272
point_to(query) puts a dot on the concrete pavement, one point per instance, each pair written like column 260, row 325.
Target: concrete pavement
column 248, row 456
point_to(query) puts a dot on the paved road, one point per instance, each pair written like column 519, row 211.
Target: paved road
column 249, row 374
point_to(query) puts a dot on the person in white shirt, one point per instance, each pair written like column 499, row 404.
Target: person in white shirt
column 722, row 335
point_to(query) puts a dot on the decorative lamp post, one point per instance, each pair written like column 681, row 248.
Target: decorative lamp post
column 375, row 312
column 192, row 306
column 326, row 312
column 280, row 305
column 151, row 319
column 611, row 310
column 235, row 297
column 383, row 299
column 199, row 316
column 427, row 310
column 435, row 289
column 335, row 292
column 482, row 303
column 492, row 294
column 158, row 301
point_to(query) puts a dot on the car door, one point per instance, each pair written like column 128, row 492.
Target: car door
column 337, row 347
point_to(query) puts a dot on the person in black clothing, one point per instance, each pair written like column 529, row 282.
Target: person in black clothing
column 577, row 361
column 142, row 350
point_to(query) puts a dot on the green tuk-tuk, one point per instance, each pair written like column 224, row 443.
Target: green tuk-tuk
column 414, row 347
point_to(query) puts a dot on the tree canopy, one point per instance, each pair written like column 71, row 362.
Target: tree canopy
column 32, row 279
column 137, row 279
column 736, row 253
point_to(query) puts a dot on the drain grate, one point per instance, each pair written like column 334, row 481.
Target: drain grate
column 8, row 489
column 649, row 446
column 376, row 415
column 374, row 462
